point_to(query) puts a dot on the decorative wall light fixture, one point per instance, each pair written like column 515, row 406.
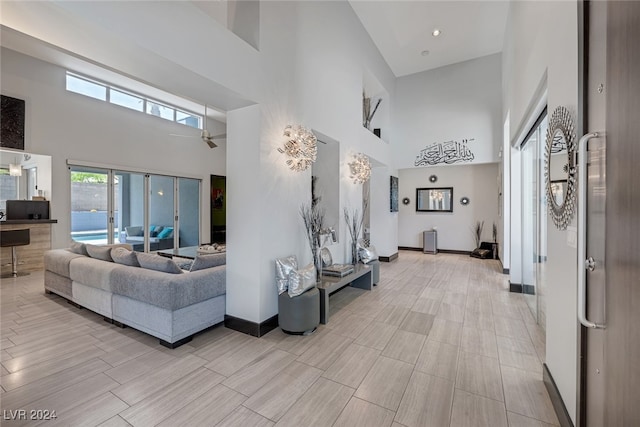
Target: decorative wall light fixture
column 360, row 168
column 15, row 169
column 301, row 147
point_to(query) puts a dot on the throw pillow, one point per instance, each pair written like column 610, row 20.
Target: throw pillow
column 166, row 233
column 207, row 261
column 284, row 266
column 99, row 252
column 78, row 248
column 302, row 280
column 158, row 263
column 124, row 256
column 368, row 254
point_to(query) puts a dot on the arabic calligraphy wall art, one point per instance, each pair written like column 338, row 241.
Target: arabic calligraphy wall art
column 12, row 123
column 448, row 152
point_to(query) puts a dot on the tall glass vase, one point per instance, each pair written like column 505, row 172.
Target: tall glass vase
column 317, row 260
column 354, row 253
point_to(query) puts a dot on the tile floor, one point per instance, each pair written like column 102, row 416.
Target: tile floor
column 439, row 342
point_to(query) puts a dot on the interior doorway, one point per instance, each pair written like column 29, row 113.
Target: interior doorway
column 218, row 210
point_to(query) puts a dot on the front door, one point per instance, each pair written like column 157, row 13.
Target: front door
column 610, row 369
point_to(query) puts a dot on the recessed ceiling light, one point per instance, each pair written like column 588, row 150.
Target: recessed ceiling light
column 436, row 32
column 424, row 53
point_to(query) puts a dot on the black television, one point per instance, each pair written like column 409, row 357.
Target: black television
column 27, row 209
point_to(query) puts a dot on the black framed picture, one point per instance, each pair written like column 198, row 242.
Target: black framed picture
column 393, row 193
column 12, row 122
column 434, row 199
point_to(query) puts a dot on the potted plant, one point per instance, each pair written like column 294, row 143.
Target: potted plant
column 494, row 245
column 477, row 232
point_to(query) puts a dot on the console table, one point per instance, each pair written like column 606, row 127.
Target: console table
column 360, row 278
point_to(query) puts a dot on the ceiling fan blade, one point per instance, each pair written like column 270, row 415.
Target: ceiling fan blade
column 210, row 143
column 221, row 136
column 182, row 136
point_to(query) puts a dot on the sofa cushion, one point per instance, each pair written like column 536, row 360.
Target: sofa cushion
column 78, row 248
column 57, row 261
column 208, row 261
column 302, row 280
column 132, row 231
column 284, row 266
column 93, row 272
column 99, row 252
column 124, row 256
column 169, row 291
column 158, row 263
column 166, row 233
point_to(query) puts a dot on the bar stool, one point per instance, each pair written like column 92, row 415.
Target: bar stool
column 11, row 239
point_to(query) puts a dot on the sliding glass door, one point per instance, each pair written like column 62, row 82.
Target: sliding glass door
column 90, row 205
column 143, row 210
column 534, row 220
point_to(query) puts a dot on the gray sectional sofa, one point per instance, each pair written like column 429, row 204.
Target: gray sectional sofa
column 170, row 306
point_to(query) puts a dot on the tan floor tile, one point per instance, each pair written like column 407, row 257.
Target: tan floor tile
column 253, row 376
column 446, row 331
column 142, row 387
column 385, row 383
column 418, row 323
column 208, row 409
column 141, row 365
column 324, row 351
column 517, row 420
column 479, row 342
column 352, row 365
column 520, row 360
column 480, row 375
column 168, row 400
column 471, row 410
column 451, row 312
column 404, row 346
column 239, row 357
column 426, row 306
column 275, row 398
column 438, row 359
column 93, row 412
column 392, row 315
column 319, row 406
column 526, row 395
column 360, row 413
column 243, row 417
column 511, row 328
column 426, row 402
column 376, row 335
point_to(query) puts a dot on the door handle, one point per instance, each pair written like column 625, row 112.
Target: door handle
column 583, row 262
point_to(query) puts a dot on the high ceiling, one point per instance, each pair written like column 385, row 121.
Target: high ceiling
column 402, row 30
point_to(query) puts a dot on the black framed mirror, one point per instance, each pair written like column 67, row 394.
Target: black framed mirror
column 434, row 199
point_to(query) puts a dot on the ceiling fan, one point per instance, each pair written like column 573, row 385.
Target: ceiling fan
column 205, row 135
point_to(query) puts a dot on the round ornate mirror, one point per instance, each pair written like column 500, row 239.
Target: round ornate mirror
column 560, row 167
column 433, row 178
column 464, row 201
column 406, row 201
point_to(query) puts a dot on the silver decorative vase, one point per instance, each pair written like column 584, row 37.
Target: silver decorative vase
column 354, row 253
column 317, row 260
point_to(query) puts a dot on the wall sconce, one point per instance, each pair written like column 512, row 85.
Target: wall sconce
column 15, row 169
column 301, row 147
column 360, row 168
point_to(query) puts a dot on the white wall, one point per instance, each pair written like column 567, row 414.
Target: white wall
column 542, row 38
column 65, row 126
column 455, row 229
column 456, row 102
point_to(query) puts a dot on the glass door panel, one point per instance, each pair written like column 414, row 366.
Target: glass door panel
column 89, row 205
column 189, row 208
column 162, row 213
column 128, row 200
